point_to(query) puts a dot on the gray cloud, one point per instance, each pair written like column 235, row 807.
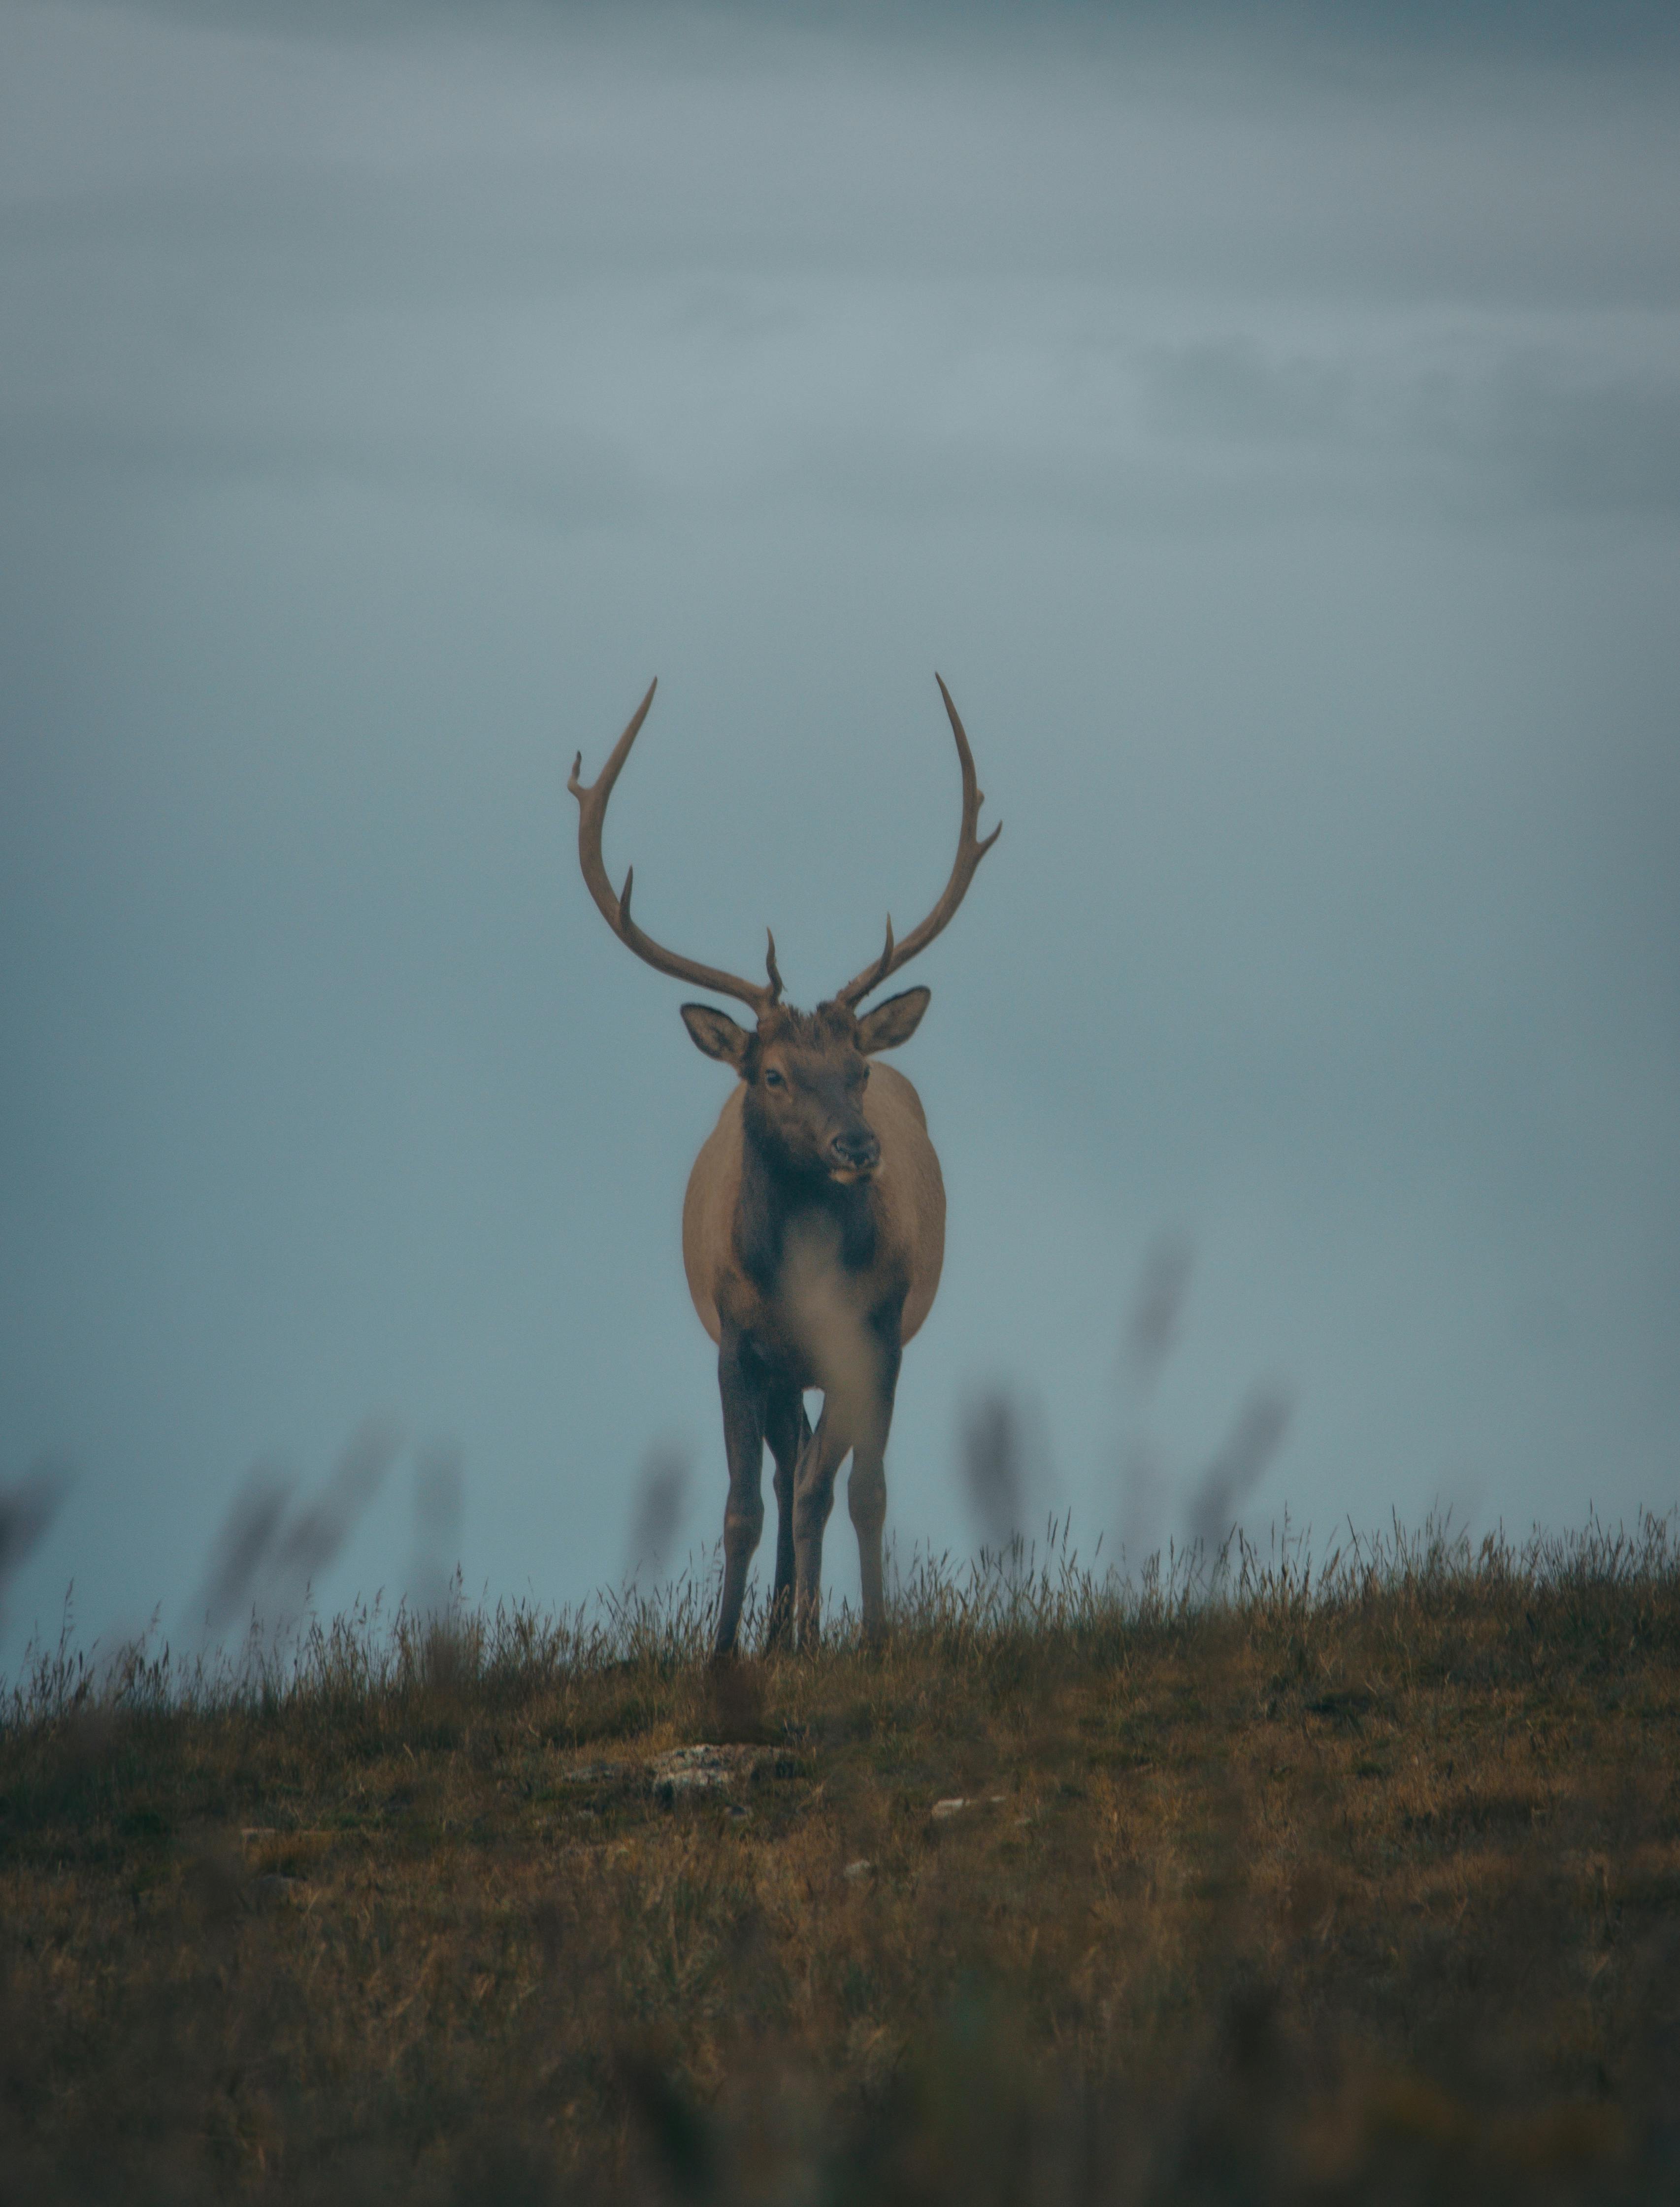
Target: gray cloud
column 1593, row 443
column 1494, row 421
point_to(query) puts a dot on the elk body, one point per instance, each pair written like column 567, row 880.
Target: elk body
column 813, row 1227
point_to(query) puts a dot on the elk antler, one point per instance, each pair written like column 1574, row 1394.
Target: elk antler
column 615, row 910
column 970, row 852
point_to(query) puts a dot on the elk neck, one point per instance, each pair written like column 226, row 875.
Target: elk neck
column 777, row 1191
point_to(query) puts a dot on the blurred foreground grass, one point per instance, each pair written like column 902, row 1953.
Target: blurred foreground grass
column 1267, row 1883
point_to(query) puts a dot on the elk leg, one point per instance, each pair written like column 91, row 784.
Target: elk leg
column 813, row 1498
column 742, row 1388
column 787, row 1431
column 866, row 1487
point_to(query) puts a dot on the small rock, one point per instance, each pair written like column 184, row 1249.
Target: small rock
column 954, row 1807
column 856, row 1873
column 682, row 1771
column 675, row 1784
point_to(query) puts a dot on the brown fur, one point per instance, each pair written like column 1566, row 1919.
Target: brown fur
column 911, row 1197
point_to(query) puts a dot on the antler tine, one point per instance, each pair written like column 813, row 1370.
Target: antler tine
column 971, row 847
column 615, row 910
column 772, row 968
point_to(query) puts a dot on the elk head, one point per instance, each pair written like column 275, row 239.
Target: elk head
column 805, row 1072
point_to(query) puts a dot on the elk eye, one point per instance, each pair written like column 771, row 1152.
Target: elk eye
column 773, row 1080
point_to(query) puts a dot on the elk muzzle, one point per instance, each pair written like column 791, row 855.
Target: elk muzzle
column 853, row 1155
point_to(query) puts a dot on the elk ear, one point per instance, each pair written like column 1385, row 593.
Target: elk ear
column 717, row 1034
column 893, row 1022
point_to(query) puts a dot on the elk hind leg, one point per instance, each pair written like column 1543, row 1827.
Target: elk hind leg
column 866, row 1487
column 787, row 1430
column 820, row 1459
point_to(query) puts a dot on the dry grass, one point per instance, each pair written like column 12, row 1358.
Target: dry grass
column 1272, row 1885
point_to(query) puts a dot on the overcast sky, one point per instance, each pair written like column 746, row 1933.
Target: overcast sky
column 1274, row 442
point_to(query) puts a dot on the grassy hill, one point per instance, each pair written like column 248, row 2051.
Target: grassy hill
column 1260, row 1884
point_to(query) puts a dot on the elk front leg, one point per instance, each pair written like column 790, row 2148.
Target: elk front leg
column 742, row 1385
column 866, row 1487
column 820, row 1458
column 787, row 1431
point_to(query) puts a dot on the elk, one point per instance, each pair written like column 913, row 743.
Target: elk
column 813, row 1227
